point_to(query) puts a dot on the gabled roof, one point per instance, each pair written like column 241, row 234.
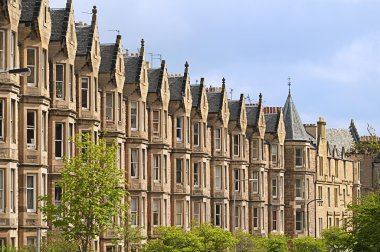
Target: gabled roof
column 83, row 39
column 107, row 53
column 30, row 10
column 85, row 34
column 132, row 66
column 153, row 79
column 271, row 122
column 175, row 85
column 57, row 24
column 196, row 92
column 293, row 125
column 252, row 115
column 215, row 101
column 340, row 138
column 235, row 108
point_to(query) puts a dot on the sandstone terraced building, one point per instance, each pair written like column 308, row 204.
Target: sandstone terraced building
column 190, row 153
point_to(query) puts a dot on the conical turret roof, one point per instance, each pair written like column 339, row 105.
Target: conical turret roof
column 293, row 125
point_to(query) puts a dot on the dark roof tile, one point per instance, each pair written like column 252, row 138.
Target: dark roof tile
column 83, row 37
column 132, row 66
column 57, row 24
column 215, row 101
column 175, row 85
column 293, row 125
column 271, row 122
column 196, row 92
column 29, row 10
column 154, row 77
column 252, row 115
column 107, row 53
column 234, row 107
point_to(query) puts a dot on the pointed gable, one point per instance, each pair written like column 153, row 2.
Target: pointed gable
column 109, row 55
column 58, row 24
column 293, row 124
column 178, row 85
column 85, row 35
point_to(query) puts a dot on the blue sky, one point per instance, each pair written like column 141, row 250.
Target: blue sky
column 330, row 48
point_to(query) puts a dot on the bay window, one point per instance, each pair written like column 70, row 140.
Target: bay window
column 31, row 129
column 218, row 215
column 31, row 198
column 179, row 171
column 299, row 157
column 179, row 128
column 85, row 92
column 196, row 175
column 274, row 150
column 156, row 212
column 60, row 81
column 134, row 163
column 218, row 177
column 2, row 50
column 109, row 107
column 134, row 116
column 236, row 145
column 58, row 140
column 31, row 63
column 196, row 134
column 218, row 133
column 156, row 123
column 156, row 167
column 134, row 210
column 179, row 213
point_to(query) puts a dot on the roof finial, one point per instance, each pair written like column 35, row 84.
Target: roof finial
column 260, row 98
column 142, row 47
column 186, row 67
column 94, row 11
column 289, row 83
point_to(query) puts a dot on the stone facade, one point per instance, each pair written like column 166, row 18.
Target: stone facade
column 191, row 155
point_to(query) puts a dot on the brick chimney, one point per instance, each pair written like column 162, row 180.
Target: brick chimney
column 321, row 128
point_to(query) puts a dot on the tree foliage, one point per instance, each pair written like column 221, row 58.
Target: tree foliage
column 93, row 193
column 337, row 239
column 307, row 243
column 276, row 243
column 365, row 223
column 249, row 243
column 202, row 238
column 371, row 145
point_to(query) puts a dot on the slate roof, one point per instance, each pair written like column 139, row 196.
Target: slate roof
column 196, row 92
column 341, row 138
column 234, row 107
column 293, row 125
column 107, row 53
column 271, row 122
column 57, row 24
column 29, row 10
column 215, row 101
column 154, row 78
column 175, row 85
column 252, row 115
column 83, row 39
column 132, row 66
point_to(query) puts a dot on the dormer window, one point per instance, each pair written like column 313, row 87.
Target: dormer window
column 218, row 134
column 274, row 156
column 255, row 149
column 196, row 134
column 31, row 129
column 156, row 123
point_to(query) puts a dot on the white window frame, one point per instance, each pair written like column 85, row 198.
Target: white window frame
column 299, row 222
column 134, row 162
column 3, row 51
column 218, row 214
column 179, row 128
column 2, row 190
column 196, row 167
column 60, row 81
column 236, row 173
column 274, row 187
column 255, row 218
column 33, row 141
column 85, row 93
column 33, row 67
column 58, row 140
column 299, row 188
column 109, row 106
column 274, row 154
column 31, row 191
column 298, row 158
column 156, row 123
column 179, row 213
column 2, row 122
column 255, row 182
column 12, row 191
column 196, row 134
column 156, row 168
column 236, row 145
column 134, row 116
column 274, row 221
column 218, row 139
column 134, row 211
column 179, row 171
column 156, row 212
column 218, row 177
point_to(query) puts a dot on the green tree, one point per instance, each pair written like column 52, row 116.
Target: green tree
column 202, row 238
column 213, row 238
column 365, row 223
column 248, row 242
column 337, row 239
column 56, row 242
column 93, row 193
column 276, row 243
column 371, row 146
column 307, row 243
